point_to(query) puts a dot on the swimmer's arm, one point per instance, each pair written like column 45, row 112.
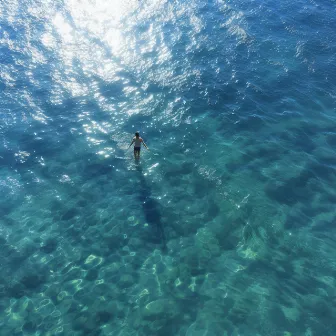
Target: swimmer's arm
column 131, row 143
column 145, row 145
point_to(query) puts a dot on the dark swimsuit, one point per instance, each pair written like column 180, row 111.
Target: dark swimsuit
column 136, row 150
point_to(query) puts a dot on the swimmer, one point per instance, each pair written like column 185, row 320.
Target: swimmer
column 137, row 145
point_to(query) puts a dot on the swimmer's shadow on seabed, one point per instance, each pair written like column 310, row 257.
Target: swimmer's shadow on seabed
column 151, row 209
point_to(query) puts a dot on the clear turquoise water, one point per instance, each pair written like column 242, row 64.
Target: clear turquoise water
column 226, row 226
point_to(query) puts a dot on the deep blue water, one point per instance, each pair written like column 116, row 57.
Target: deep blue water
column 226, row 226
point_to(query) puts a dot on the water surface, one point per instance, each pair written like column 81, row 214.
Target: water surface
column 226, row 226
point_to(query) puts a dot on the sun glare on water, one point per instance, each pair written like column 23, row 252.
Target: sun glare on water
column 92, row 42
column 91, row 29
column 109, row 49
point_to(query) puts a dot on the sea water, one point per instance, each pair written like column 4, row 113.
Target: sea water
column 226, row 226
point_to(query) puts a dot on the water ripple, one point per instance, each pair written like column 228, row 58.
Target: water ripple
column 236, row 102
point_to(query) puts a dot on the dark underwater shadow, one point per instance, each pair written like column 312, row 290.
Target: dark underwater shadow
column 151, row 209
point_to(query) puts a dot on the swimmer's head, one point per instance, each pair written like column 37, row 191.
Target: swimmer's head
column 137, row 134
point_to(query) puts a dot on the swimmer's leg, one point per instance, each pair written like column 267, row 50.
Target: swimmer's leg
column 137, row 153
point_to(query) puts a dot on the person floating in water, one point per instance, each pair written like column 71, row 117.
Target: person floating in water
column 137, row 145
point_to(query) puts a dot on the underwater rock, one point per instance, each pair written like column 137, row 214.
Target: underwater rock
column 126, row 281
column 159, row 309
column 206, row 241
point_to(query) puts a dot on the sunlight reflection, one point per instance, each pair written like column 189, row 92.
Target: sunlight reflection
column 89, row 33
column 101, row 18
column 63, row 28
column 105, row 47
